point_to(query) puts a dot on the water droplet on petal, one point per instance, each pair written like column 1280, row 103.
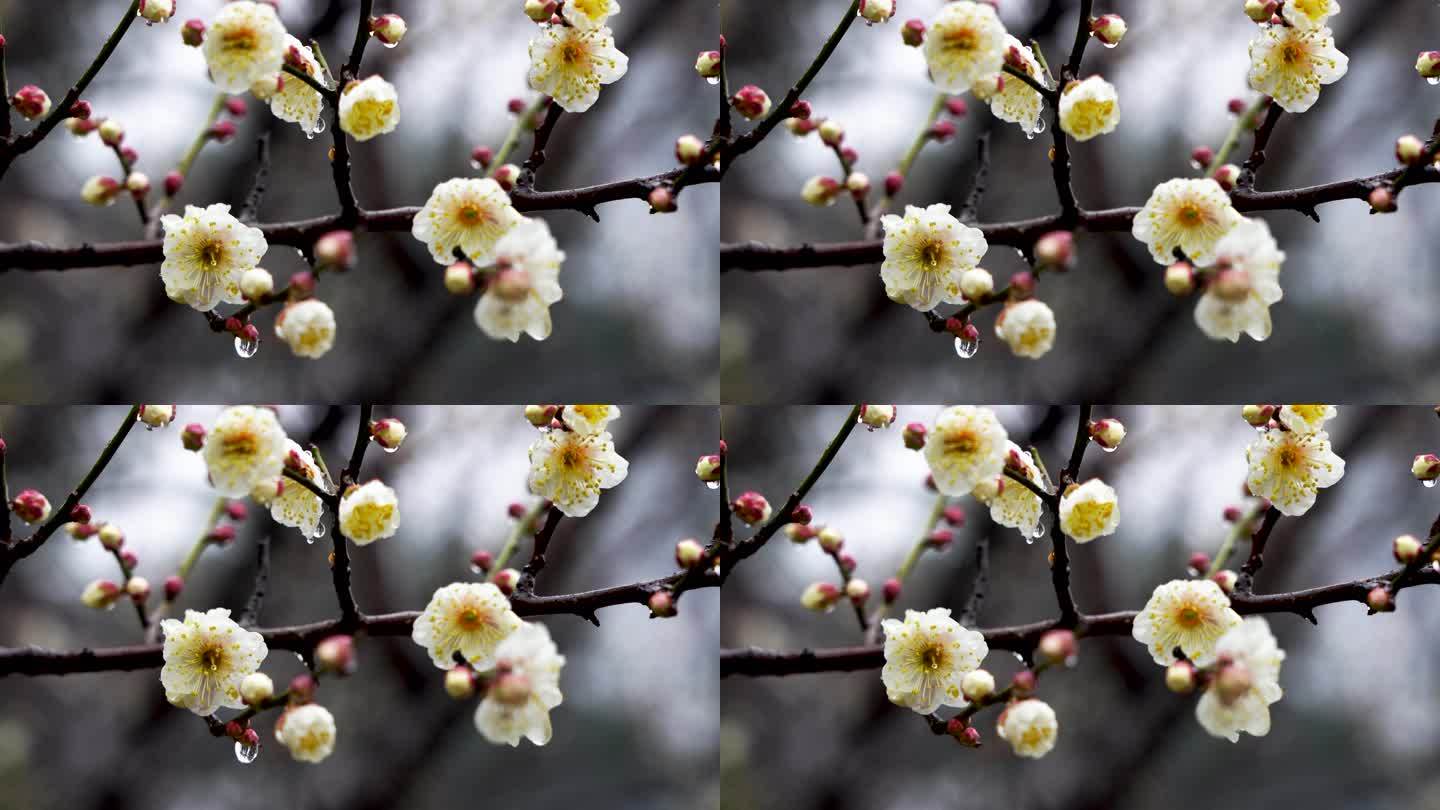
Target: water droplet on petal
column 1109, row 44
column 319, row 530
column 1429, row 484
column 716, row 80
column 389, row 449
column 319, row 125
column 712, row 484
column 1105, row 449
column 966, row 348
column 1433, row 80
column 393, row 44
column 246, row 753
column 1038, row 531
column 246, row 348
column 1039, row 125
column 1029, row 134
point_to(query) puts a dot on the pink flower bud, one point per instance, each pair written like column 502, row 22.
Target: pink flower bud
column 1406, row 548
column 173, row 586
column 1058, row 647
column 1409, row 150
column 661, row 604
column 81, row 513
column 236, row 510
column 1236, row 106
column 707, row 64
column 912, row 33
column 1023, row 683
column 173, row 181
column 388, row 28
column 1427, row 64
column 302, row 688
column 893, row 182
column 482, row 156
column 336, row 654
column 220, row 131
column 192, row 33
column 914, row 435
column 1055, row 249
column 192, row 438
column 1226, row 175
column 1201, row 156
column 891, row 590
column 31, row 506
column 1199, row 562
column 1226, row 579
column 335, row 250
column 689, row 553
column 81, row 110
column 956, row 107
column 689, row 150
column 751, row 507
column 1109, row 29
column 506, row 174
column 1381, row 200
column 31, row 102
column 942, row 131
column 751, row 102
column 940, row 539
column 800, row 109
column 235, row 106
column 506, row 579
column 482, row 561
column 221, row 535
column 661, row 200
column 1022, row 284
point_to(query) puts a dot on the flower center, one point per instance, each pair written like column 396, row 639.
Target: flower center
column 572, row 52
column 1189, row 616
column 1289, row 456
column 931, row 253
column 1190, row 214
column 211, row 659
column 470, row 214
column 961, row 39
column 239, row 444
column 962, row 442
column 932, row 658
column 572, row 457
column 470, row 619
column 1292, row 53
column 211, row 253
column 238, row 39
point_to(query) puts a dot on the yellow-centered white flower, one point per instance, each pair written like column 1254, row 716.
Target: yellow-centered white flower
column 291, row 504
column 527, row 282
column 588, row 419
column 1224, row 313
column 1089, row 108
column 926, row 657
column 1306, row 418
column 369, row 108
column 926, row 253
column 587, row 15
column 1010, row 98
column 965, row 42
column 1308, row 14
column 1289, row 468
column 1089, row 510
column 369, row 512
column 1011, row 502
column 308, row 731
column 1289, row 64
column 307, row 327
column 1027, row 327
column 292, row 99
column 1189, row 213
column 470, row 618
column 966, row 446
column 206, row 252
column 569, row 469
column 1030, row 726
column 1191, row 614
column 569, row 64
column 1252, row 646
column 207, row 655
column 526, row 688
column 465, row 212
column 245, row 447
column 244, row 43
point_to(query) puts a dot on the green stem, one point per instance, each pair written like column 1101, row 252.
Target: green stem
column 1244, row 122
column 188, row 158
column 922, row 137
column 523, row 121
column 525, row 525
column 908, row 564
column 1238, row 530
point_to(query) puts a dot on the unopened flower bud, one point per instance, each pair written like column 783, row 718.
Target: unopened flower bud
column 858, row 185
column 111, row 132
column 173, row 586
column 31, row 506
column 1236, row 106
column 1381, row 200
column 661, row 604
column 707, row 469
column 894, row 181
column 1199, row 562
column 912, row 33
column 192, row 33
column 1231, row 284
column 799, row 533
column 1180, row 279
column 336, row 654
column 100, row 190
column 1180, row 677
column 858, row 590
column 1108, row 433
column 820, row 597
column 31, row 102
column 506, row 579
column 1055, row 249
column 977, row 685
column 750, row 101
column 891, row 590
column 138, row 588
column 689, row 150
column 831, row 540
column 1201, row 156
column 220, row 535
column 956, row 107
column 1407, row 548
column 1258, row 415
column 156, row 416
column 877, row 11
column 941, row 131
column 506, row 174
column 1425, row 467
column 388, row 433
column 801, row 110
column 1058, row 646
column 460, row 682
column 831, row 132
column 81, row 514
column 256, row 283
column 689, row 553
column 173, row 181
column 192, row 438
column 661, row 199
column 914, row 435
column 222, row 131
column 156, row 11
column 940, row 539
column 1260, row 11
column 1108, row 28
column 1227, row 175
column 388, row 28
column 1409, row 150
column 540, row 415
column 302, row 688
column 128, row 560
column 1232, row 682
column 1023, row 682
column 1427, row 64
column 820, row 191
column 707, row 64
column 102, row 593
column 256, row 688
column 460, row 280
column 877, row 416
column 335, row 250
column 1226, row 579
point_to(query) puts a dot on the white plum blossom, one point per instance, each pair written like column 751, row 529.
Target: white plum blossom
column 1305, row 418
column 1252, row 646
column 518, row 298
column 307, row 326
column 1027, row 327
column 569, row 64
column 244, row 43
column 1089, row 108
column 470, row 618
column 1307, row 14
column 1089, row 510
column 308, row 731
column 1191, row 614
column 927, row 657
column 965, row 42
column 207, row 655
column 1224, row 312
column 292, row 99
column 1010, row 98
column 245, row 447
column 569, row 469
column 1012, row 503
column 926, row 253
column 292, row 504
column 369, row 512
column 526, row 688
column 369, row 108
column 207, row 251
column 1030, row 726
column 465, row 212
column 1289, row 468
column 588, row 419
column 589, row 14
column 966, row 446
column 1189, row 213
column 1290, row 63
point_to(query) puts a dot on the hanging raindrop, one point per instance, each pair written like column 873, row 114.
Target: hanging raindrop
column 1105, row 449
column 716, row 80
column 1429, row 483
column 1109, row 44
column 319, row 125
column 319, row 529
column 246, row 753
column 1039, row 125
column 712, row 484
column 397, row 42
column 1433, row 80
column 246, row 348
column 966, row 347
column 1039, row 531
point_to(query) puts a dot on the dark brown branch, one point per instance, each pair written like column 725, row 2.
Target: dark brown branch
column 1023, row 233
column 340, row 568
column 537, row 150
column 1023, row 638
column 1245, row 583
column 1257, row 153
column 251, row 614
column 1060, row 566
column 537, row 560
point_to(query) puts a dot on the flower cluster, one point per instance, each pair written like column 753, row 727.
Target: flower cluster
column 574, row 459
column 1291, row 460
column 1290, row 58
column 571, row 59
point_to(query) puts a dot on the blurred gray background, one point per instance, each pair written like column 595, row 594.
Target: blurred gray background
column 638, row 725
column 1358, row 289
column 636, row 285
column 1357, row 725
